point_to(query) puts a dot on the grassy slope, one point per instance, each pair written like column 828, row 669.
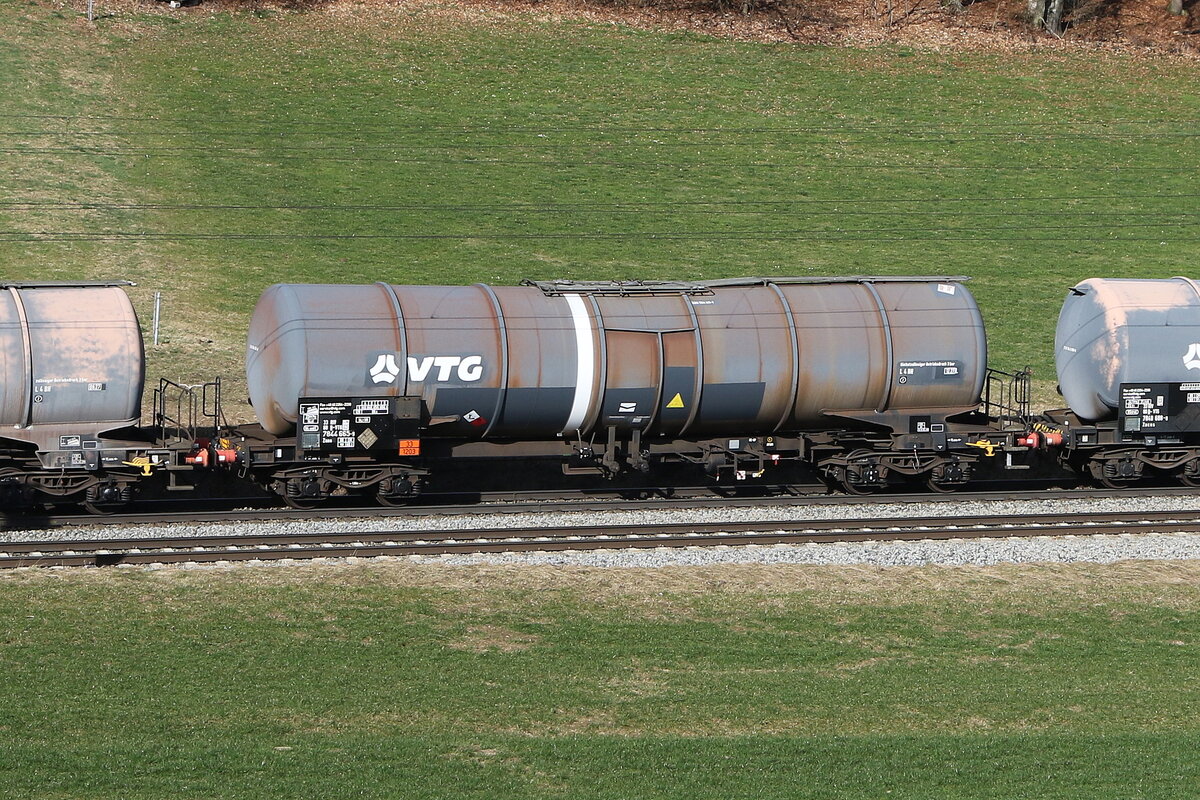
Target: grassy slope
column 744, row 682
column 142, row 685
column 494, row 149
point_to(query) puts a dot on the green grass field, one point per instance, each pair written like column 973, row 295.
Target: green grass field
column 744, row 682
column 208, row 155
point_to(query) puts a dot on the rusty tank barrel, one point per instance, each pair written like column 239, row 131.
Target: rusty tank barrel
column 71, row 356
column 671, row 359
column 1123, row 330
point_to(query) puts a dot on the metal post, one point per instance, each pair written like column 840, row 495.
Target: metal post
column 157, row 312
column 91, row 11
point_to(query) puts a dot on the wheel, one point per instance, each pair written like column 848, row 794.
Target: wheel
column 1117, row 483
column 948, row 477
column 106, row 498
column 1115, row 474
column 1192, row 479
column 1189, row 480
column 934, row 485
column 302, row 503
column 1108, row 474
column 862, row 476
column 866, row 479
column 303, row 492
column 857, row 489
column 13, row 494
column 395, row 491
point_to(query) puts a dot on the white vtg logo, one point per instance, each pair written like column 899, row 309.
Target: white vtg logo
column 1191, row 359
column 467, row 368
column 385, row 369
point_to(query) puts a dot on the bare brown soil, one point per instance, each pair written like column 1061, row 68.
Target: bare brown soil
column 991, row 25
column 986, row 24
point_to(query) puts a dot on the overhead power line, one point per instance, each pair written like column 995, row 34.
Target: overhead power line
column 835, row 234
column 236, row 153
column 391, row 140
column 552, row 124
column 588, row 206
column 664, row 210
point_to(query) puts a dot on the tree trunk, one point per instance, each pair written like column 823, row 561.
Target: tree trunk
column 1037, row 13
column 1054, row 15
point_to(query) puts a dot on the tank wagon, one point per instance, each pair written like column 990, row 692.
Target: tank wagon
column 72, row 371
column 865, row 378
column 1127, row 353
column 71, row 364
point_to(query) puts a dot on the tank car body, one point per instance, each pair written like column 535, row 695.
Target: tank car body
column 731, row 374
column 1122, row 331
column 71, row 363
column 1127, row 354
column 554, row 360
column 71, row 375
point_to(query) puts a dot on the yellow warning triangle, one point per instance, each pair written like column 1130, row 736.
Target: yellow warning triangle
column 676, row 401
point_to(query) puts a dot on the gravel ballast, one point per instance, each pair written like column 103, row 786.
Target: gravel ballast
column 1101, row 548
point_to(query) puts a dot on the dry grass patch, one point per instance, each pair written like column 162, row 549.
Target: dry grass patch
column 487, row 638
column 492, row 757
column 672, row 592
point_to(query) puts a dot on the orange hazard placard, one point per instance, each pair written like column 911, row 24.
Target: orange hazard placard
column 410, row 447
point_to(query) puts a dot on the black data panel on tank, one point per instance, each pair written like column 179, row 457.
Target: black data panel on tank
column 1159, row 409
column 924, row 373
column 349, row 425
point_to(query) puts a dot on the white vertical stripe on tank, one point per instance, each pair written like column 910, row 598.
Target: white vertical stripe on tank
column 585, row 356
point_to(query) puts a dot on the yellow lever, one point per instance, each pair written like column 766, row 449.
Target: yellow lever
column 989, row 448
column 142, row 463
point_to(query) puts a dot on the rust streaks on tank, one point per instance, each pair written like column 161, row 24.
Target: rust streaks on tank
column 548, row 360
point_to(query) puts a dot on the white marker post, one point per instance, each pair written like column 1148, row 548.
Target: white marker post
column 157, row 307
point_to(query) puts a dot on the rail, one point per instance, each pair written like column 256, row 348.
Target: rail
column 108, row 552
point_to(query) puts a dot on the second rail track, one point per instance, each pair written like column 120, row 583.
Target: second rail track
column 207, row 549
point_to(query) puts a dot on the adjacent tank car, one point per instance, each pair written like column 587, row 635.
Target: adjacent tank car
column 71, row 363
column 1127, row 354
column 71, row 373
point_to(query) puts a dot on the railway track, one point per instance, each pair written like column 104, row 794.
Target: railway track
column 109, row 552
column 539, row 502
